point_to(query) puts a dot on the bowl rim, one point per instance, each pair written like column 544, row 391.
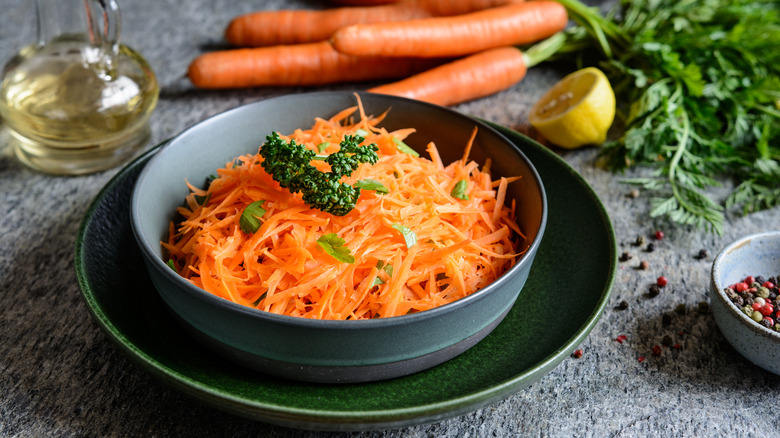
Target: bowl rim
column 717, row 289
column 292, row 321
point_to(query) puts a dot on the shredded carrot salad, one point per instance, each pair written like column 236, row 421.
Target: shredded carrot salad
column 415, row 248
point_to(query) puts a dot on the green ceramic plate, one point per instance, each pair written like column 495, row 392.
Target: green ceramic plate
column 522, row 349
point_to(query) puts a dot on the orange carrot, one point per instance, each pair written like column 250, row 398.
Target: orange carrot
column 464, row 79
column 295, row 65
column 447, row 8
column 462, row 244
column 363, row 2
column 295, row 26
column 513, row 24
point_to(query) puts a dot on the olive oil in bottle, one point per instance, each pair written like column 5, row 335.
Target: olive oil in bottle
column 75, row 106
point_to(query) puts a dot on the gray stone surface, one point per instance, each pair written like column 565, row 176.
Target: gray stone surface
column 61, row 376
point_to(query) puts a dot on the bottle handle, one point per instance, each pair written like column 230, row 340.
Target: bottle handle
column 104, row 24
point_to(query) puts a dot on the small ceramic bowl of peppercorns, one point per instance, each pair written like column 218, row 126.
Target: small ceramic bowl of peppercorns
column 745, row 299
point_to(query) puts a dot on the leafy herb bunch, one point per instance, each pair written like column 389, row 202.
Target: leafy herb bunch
column 702, row 82
column 289, row 163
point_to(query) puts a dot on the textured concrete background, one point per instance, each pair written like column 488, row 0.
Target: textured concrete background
column 60, row 375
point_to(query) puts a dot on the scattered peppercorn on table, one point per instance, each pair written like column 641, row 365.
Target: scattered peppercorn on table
column 654, row 364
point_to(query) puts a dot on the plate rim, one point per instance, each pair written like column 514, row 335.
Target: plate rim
column 334, row 420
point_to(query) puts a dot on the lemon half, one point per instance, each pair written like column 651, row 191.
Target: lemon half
column 576, row 111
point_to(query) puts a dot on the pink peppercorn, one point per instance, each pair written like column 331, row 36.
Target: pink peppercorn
column 641, row 359
column 577, row 354
column 621, row 338
column 766, row 309
column 661, row 281
column 659, row 235
column 768, row 285
column 756, row 306
column 656, row 350
column 741, row 287
column 750, row 279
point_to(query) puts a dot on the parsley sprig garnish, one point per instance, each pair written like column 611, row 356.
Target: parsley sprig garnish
column 289, row 163
column 701, row 80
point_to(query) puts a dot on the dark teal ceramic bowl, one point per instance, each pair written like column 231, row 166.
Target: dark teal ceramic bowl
column 317, row 350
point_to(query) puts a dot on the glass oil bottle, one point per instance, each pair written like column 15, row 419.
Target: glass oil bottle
column 77, row 101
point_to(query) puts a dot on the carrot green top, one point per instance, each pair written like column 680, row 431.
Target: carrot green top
column 421, row 234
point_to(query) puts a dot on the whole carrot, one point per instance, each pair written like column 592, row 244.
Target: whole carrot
column 513, row 24
column 475, row 76
column 464, row 79
column 363, row 2
column 447, row 8
column 294, row 65
column 295, row 26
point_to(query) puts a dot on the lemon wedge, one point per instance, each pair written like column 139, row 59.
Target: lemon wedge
column 576, row 111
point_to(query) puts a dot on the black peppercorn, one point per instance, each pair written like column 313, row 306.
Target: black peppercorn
column 666, row 320
column 667, row 340
column 654, row 291
column 623, row 305
column 650, row 247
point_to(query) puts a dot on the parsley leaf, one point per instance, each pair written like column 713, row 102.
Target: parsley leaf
column 405, row 148
column 409, row 236
column 460, row 189
column 388, row 268
column 251, row 218
column 333, row 245
column 203, row 200
column 372, row 184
